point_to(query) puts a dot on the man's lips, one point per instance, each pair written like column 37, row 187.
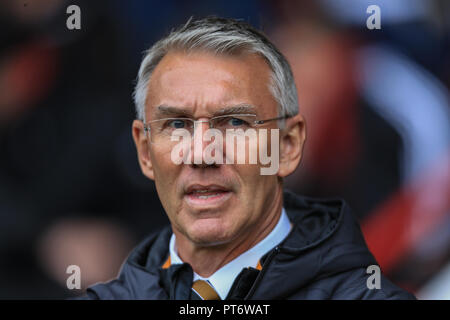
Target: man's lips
column 206, row 195
column 205, row 188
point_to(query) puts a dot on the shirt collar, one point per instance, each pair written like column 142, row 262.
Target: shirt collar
column 223, row 279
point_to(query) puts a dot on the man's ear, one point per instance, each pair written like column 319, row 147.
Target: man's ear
column 292, row 140
column 143, row 149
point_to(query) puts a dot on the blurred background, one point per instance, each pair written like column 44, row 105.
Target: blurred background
column 376, row 104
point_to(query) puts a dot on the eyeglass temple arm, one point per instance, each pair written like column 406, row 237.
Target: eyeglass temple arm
column 273, row 119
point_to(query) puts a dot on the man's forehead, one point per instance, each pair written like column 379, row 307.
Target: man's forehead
column 189, row 82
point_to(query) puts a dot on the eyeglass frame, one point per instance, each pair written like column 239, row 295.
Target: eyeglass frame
column 256, row 122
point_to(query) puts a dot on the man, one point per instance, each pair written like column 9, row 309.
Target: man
column 234, row 233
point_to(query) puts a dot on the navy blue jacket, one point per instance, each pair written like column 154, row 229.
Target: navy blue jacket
column 324, row 257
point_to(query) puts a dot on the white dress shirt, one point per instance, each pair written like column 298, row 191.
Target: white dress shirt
column 223, row 279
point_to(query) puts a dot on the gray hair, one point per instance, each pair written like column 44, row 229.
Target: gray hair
column 221, row 36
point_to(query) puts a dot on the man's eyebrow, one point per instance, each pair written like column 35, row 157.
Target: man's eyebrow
column 170, row 111
column 237, row 109
column 165, row 110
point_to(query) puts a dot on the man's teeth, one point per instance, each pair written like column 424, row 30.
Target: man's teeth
column 196, row 192
column 208, row 196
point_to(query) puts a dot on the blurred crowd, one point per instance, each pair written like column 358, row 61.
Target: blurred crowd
column 376, row 103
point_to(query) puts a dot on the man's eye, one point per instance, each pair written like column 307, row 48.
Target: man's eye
column 177, row 124
column 236, row 122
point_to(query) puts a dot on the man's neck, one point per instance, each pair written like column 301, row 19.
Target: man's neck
column 205, row 260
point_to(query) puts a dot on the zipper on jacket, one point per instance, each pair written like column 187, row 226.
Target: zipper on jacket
column 262, row 272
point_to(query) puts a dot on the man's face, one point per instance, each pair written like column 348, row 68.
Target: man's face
column 217, row 204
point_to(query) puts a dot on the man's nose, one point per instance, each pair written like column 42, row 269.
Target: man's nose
column 198, row 144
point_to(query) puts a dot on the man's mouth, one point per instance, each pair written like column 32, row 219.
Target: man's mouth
column 205, row 194
column 200, row 195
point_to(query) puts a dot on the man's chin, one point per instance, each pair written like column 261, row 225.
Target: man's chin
column 208, row 237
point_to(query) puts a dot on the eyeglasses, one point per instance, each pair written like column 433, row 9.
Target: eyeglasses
column 162, row 129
